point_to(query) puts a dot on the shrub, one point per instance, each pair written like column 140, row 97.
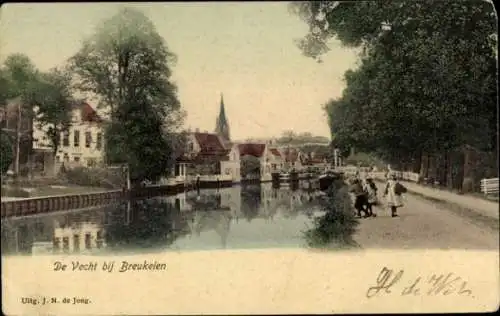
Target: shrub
column 365, row 160
column 95, row 177
column 335, row 229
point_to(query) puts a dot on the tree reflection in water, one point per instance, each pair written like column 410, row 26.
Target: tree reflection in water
column 148, row 223
column 250, row 201
column 334, row 229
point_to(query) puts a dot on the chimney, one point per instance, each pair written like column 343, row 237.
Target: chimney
column 197, row 130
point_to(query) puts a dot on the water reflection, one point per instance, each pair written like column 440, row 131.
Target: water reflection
column 251, row 216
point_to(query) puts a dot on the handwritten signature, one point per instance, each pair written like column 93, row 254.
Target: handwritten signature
column 433, row 285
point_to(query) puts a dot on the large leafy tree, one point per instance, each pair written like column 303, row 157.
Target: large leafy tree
column 45, row 96
column 127, row 64
column 6, row 154
column 53, row 98
column 426, row 80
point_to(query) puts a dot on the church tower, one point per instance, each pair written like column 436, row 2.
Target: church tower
column 222, row 125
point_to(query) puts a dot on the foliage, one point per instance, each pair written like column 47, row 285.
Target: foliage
column 365, row 160
column 17, row 75
column 97, row 177
column 292, row 138
column 46, row 96
column 324, row 151
column 426, row 78
column 54, row 101
column 337, row 226
column 249, row 165
column 127, row 64
column 6, row 153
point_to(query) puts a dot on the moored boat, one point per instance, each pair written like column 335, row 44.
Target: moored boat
column 326, row 179
column 285, row 177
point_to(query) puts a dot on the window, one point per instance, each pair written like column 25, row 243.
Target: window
column 66, row 157
column 88, row 139
column 76, row 242
column 76, row 159
column 190, row 147
column 58, row 159
column 66, row 244
column 98, row 144
column 99, row 242
column 65, row 141
column 88, row 239
column 57, row 243
column 76, row 139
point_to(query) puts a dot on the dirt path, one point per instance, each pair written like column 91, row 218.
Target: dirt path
column 424, row 224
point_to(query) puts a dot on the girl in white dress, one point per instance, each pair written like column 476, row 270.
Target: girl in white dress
column 393, row 193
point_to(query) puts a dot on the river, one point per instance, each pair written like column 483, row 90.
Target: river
column 239, row 217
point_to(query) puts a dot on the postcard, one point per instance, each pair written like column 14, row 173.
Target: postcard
column 239, row 158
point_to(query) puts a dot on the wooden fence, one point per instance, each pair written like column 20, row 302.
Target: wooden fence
column 489, row 186
column 40, row 205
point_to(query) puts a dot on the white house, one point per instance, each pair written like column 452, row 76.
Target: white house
column 82, row 144
column 270, row 160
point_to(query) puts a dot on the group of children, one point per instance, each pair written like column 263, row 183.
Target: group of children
column 365, row 195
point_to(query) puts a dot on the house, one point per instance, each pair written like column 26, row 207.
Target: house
column 268, row 159
column 276, row 160
column 315, row 161
column 292, row 159
column 82, row 144
column 203, row 155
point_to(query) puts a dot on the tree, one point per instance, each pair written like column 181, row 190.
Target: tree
column 250, row 165
column 46, row 96
column 426, row 80
column 54, row 102
column 6, row 154
column 128, row 65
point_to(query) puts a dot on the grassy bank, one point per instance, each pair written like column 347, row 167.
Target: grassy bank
column 29, row 192
column 335, row 229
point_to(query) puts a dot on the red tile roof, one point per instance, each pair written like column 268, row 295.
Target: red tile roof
column 256, row 150
column 275, row 152
column 210, row 144
column 88, row 113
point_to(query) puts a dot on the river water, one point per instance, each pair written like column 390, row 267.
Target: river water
column 240, row 217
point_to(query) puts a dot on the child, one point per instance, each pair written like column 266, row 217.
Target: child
column 371, row 190
column 360, row 197
column 393, row 193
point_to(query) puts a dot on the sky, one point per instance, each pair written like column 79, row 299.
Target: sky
column 244, row 50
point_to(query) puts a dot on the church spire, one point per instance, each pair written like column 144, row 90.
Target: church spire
column 222, row 125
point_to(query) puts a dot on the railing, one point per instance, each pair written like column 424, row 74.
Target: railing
column 213, row 178
column 380, row 175
column 489, row 186
column 40, row 205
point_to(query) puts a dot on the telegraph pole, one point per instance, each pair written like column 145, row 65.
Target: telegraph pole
column 18, row 140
